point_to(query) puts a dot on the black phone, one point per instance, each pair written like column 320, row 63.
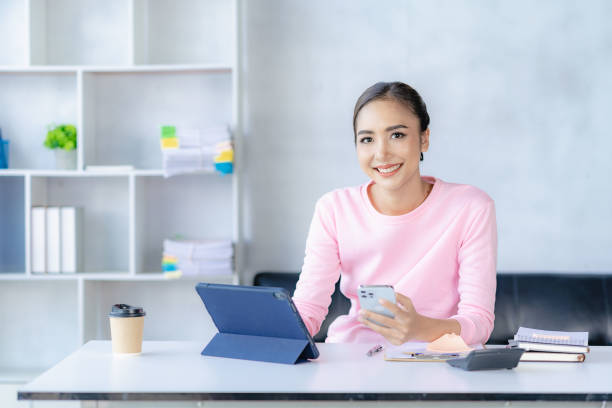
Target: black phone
column 488, row 359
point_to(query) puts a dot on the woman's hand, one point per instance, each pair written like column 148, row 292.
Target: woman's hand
column 407, row 324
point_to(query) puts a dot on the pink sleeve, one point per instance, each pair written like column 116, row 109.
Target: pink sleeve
column 477, row 277
column 321, row 268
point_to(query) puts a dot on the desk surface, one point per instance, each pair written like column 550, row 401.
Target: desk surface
column 177, row 371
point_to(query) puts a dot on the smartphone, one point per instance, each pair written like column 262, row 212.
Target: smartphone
column 369, row 296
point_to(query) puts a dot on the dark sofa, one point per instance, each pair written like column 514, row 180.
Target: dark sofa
column 550, row 301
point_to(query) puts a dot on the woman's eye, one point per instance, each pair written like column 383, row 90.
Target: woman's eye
column 366, row 139
column 397, row 135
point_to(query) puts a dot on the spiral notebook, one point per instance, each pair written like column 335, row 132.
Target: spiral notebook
column 552, row 337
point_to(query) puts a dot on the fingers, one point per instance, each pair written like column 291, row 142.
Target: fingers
column 385, row 331
column 401, row 327
column 404, row 301
column 393, row 308
column 390, row 334
column 378, row 318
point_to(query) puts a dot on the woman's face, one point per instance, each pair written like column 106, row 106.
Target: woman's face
column 388, row 143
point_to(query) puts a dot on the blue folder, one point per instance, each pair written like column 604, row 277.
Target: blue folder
column 255, row 323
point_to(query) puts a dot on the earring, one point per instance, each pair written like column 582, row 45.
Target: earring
column 421, row 156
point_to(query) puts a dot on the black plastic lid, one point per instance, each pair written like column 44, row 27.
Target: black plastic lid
column 122, row 310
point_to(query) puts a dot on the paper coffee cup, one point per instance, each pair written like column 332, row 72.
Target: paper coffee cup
column 126, row 324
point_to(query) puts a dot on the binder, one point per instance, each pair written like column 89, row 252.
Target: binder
column 38, row 239
column 70, row 218
column 255, row 323
column 53, row 240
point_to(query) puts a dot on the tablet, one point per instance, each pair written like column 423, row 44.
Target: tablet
column 265, row 312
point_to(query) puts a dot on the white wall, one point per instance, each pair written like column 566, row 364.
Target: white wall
column 518, row 91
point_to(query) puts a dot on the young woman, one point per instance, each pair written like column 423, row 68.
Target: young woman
column 434, row 242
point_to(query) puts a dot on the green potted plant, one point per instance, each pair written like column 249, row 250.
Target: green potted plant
column 62, row 140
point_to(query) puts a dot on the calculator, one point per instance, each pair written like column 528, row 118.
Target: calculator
column 488, row 359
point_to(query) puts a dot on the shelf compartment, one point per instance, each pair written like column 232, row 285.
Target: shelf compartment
column 124, row 112
column 105, row 203
column 52, row 98
column 42, row 318
column 12, row 225
column 76, row 32
column 192, row 206
column 173, row 309
column 13, row 31
column 184, row 31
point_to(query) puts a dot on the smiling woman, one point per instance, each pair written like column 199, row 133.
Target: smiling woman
column 434, row 242
column 390, row 141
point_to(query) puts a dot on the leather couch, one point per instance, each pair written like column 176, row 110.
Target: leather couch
column 549, row 301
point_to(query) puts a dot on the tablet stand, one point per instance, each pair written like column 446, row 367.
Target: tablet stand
column 258, row 348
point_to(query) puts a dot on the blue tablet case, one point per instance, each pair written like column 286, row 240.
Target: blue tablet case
column 255, row 323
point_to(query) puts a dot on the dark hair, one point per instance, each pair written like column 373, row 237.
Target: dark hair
column 398, row 91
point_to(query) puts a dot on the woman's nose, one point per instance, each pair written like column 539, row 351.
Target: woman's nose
column 382, row 150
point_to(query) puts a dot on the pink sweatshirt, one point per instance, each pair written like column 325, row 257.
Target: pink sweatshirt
column 442, row 255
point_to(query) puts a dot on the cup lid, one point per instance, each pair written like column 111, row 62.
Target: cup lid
column 123, row 310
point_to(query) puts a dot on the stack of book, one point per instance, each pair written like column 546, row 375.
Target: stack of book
column 186, row 150
column 547, row 345
column 56, row 239
column 198, row 257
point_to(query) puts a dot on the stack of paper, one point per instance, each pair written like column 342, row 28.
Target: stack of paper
column 187, row 150
column 199, row 257
column 56, row 239
column 547, row 345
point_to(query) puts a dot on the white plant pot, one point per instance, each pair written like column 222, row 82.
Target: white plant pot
column 65, row 159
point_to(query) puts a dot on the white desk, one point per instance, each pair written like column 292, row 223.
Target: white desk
column 175, row 371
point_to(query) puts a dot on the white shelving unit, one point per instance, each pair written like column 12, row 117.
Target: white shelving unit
column 118, row 70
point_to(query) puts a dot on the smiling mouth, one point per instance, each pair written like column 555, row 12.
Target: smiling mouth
column 387, row 170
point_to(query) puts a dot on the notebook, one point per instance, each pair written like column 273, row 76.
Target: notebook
column 552, row 337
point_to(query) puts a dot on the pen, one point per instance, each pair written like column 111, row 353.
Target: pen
column 374, row 349
column 435, row 354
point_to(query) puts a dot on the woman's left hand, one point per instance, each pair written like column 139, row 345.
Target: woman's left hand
column 405, row 326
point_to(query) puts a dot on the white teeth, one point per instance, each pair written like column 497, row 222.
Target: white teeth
column 389, row 169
